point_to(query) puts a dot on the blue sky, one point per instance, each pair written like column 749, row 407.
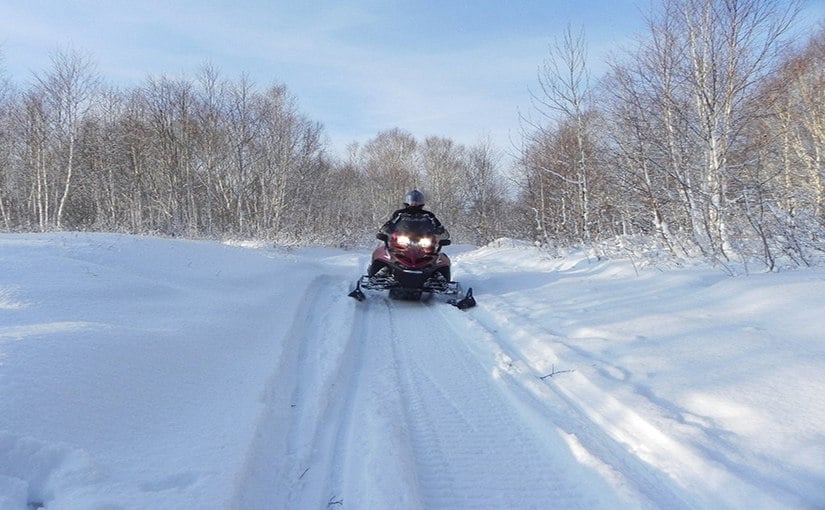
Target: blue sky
column 458, row 69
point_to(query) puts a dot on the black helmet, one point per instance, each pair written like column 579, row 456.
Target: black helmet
column 414, row 198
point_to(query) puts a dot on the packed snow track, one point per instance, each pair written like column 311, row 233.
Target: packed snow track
column 395, row 411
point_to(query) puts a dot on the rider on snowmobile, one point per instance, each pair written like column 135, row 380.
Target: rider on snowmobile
column 414, row 205
column 410, row 262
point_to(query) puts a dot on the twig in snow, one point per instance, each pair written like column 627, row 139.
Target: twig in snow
column 333, row 502
column 302, row 474
column 553, row 372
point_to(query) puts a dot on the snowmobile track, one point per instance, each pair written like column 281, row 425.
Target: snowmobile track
column 457, row 416
column 291, row 461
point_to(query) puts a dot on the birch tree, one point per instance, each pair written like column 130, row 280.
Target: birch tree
column 6, row 147
column 730, row 46
column 683, row 114
column 68, row 90
column 213, row 145
column 563, row 103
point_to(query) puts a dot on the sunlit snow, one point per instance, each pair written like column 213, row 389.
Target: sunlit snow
column 147, row 373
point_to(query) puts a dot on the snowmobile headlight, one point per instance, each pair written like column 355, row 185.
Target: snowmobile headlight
column 425, row 242
column 403, row 240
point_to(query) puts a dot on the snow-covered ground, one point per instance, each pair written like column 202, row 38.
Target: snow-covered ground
column 145, row 373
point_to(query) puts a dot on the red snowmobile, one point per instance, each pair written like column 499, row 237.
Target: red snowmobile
column 410, row 263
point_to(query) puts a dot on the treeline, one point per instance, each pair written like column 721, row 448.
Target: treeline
column 215, row 157
column 707, row 137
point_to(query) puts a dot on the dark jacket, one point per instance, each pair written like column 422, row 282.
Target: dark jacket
column 416, row 210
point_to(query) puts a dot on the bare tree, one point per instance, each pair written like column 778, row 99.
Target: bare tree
column 645, row 117
column 99, row 198
column 682, row 112
column 444, row 177
column 803, row 89
column 784, row 193
column 68, row 90
column 291, row 164
column 730, row 48
column 563, row 102
column 390, row 166
column 486, row 194
column 212, row 149
column 6, row 100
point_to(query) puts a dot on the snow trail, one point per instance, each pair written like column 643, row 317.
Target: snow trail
column 471, row 450
column 292, row 460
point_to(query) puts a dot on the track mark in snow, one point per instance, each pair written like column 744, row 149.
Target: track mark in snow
column 291, row 461
column 458, row 417
column 378, row 468
column 650, row 459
